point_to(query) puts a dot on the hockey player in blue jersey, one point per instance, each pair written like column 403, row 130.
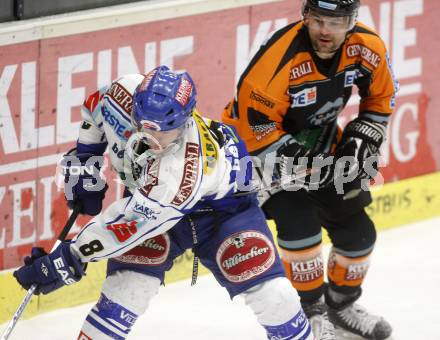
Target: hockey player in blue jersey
column 182, row 173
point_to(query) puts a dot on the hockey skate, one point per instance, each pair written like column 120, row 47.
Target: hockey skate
column 322, row 328
column 357, row 320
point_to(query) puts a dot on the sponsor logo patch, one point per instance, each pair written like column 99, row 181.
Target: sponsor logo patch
column 307, row 271
column 184, row 91
column 304, row 98
column 86, row 125
column 152, row 252
column 149, row 125
column 356, row 271
column 327, row 5
column 260, row 124
column 65, row 274
column 301, row 70
column 245, row 255
column 123, row 131
column 350, row 77
column 365, row 53
column 393, row 102
column 44, row 269
column 147, row 80
column 83, row 336
column 151, row 179
column 150, row 214
column 190, row 173
column 121, row 96
column 123, row 231
column 262, row 100
column 395, row 82
column 326, row 113
column 92, row 101
column 209, row 147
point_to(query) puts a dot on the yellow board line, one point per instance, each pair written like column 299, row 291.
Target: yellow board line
column 394, row 204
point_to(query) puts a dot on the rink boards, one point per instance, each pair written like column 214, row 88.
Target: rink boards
column 47, row 66
column 394, row 204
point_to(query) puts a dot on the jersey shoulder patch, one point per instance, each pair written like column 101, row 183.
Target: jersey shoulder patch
column 92, row 101
column 210, row 152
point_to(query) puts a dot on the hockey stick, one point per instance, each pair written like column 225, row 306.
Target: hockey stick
column 323, row 144
column 30, row 292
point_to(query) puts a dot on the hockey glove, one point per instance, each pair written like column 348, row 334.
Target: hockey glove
column 83, row 183
column 302, row 169
column 361, row 141
column 49, row 271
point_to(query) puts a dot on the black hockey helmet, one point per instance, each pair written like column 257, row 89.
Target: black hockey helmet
column 333, row 8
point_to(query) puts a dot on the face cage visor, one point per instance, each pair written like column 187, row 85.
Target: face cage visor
column 142, row 147
column 317, row 19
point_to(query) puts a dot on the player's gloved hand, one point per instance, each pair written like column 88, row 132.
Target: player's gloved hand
column 361, row 140
column 83, row 183
column 50, row 271
column 300, row 167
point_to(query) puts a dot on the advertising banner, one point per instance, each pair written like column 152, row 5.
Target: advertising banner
column 44, row 82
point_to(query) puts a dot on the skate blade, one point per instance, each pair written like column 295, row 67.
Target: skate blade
column 342, row 334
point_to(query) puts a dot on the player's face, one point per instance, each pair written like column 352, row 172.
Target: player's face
column 158, row 141
column 326, row 33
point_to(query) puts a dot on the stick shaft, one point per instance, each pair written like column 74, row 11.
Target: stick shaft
column 323, row 144
column 31, row 290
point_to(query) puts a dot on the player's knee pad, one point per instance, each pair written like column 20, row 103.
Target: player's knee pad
column 305, row 269
column 347, row 269
column 131, row 289
column 277, row 307
column 125, row 295
column 354, row 233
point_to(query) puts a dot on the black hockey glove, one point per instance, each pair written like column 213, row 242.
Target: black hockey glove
column 82, row 181
column 360, row 143
column 299, row 168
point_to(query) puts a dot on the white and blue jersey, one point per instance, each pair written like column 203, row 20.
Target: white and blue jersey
column 204, row 173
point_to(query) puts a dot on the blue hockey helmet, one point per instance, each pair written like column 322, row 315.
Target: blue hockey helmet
column 164, row 100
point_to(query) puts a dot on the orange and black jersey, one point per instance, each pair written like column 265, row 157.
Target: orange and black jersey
column 287, row 88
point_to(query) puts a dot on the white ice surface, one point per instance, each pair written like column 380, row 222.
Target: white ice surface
column 402, row 285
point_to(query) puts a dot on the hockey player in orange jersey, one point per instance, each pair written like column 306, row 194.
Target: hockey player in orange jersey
column 286, row 104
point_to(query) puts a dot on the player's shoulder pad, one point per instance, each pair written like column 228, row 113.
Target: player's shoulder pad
column 128, row 82
column 120, row 92
column 209, row 144
column 289, row 29
column 368, row 37
column 93, row 100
